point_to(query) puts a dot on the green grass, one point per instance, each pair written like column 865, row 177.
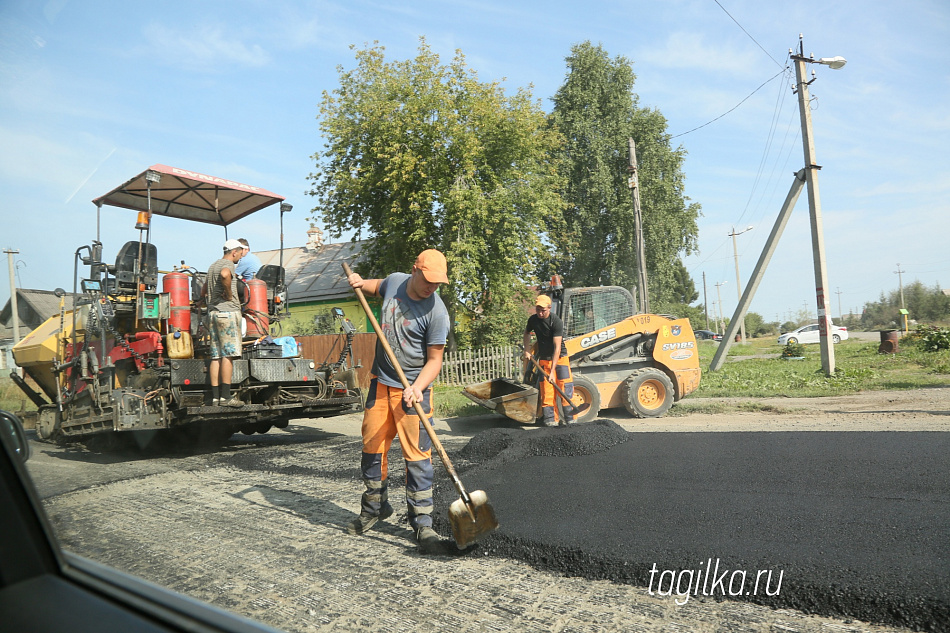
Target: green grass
column 450, row 403
column 12, row 397
column 858, row 368
column 749, row 348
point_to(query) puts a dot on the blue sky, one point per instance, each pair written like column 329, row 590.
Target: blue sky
column 92, row 93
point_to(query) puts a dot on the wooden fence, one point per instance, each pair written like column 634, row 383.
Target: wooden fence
column 458, row 368
column 479, row 365
column 327, row 347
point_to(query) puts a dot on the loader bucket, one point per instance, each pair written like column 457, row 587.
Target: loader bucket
column 507, row 397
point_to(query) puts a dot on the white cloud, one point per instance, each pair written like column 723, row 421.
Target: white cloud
column 685, row 50
column 205, row 48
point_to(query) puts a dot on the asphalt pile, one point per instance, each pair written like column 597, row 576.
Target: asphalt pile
column 851, row 524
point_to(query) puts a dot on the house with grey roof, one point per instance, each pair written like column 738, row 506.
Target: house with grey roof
column 316, row 284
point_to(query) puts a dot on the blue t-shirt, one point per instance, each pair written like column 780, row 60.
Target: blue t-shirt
column 248, row 266
column 410, row 327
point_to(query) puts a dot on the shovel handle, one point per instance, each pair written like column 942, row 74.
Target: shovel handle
column 543, row 373
column 405, row 383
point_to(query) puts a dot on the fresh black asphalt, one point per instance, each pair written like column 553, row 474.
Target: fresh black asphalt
column 854, row 524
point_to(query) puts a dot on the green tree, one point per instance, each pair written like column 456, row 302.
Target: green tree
column 923, row 304
column 683, row 289
column 422, row 155
column 597, row 111
column 755, row 325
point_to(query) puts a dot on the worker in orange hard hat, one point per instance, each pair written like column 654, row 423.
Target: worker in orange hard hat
column 416, row 324
column 552, row 357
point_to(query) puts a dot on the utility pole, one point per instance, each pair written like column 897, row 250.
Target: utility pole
column 633, row 182
column 798, row 183
column 14, row 312
column 722, row 325
column 814, row 201
column 735, row 252
column 900, row 284
column 840, row 313
column 705, row 301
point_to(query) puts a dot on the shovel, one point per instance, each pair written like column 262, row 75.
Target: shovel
column 575, row 410
column 471, row 516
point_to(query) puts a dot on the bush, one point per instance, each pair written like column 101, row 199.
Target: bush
column 932, row 339
column 793, row 350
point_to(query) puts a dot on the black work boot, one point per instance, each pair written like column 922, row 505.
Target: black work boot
column 429, row 540
column 365, row 522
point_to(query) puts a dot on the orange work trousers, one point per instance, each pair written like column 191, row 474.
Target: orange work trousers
column 549, row 396
column 386, row 416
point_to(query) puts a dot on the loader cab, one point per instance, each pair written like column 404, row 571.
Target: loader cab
column 586, row 310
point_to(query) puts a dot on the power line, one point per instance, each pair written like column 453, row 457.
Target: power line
column 770, row 137
column 747, row 33
column 767, row 81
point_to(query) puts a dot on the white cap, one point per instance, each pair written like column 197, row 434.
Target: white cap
column 230, row 245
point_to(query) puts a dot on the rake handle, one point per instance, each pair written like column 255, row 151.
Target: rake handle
column 405, row 383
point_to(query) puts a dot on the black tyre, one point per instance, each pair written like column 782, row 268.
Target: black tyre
column 792, row 341
column 48, row 424
column 585, row 391
column 835, row 339
column 647, row 393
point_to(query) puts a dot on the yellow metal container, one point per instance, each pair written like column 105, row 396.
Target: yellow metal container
column 40, row 349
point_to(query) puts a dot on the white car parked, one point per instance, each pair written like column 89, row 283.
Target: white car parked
column 809, row 334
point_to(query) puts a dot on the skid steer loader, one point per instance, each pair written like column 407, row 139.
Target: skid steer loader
column 642, row 362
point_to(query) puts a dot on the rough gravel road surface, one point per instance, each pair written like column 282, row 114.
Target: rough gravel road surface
column 257, row 526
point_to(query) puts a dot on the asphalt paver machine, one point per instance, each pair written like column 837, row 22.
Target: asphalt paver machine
column 133, row 353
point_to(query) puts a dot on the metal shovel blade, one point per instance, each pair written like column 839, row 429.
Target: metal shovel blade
column 464, row 529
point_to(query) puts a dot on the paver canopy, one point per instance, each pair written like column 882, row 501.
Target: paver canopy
column 189, row 195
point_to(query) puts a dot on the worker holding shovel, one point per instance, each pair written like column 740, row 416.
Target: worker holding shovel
column 415, row 324
column 552, row 359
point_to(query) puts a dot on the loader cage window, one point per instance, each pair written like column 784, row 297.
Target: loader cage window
column 590, row 309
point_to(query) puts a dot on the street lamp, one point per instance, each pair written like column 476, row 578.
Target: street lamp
column 814, row 202
column 735, row 252
column 285, row 207
column 834, row 63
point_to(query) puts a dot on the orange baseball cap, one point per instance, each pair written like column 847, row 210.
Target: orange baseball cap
column 433, row 266
column 544, row 301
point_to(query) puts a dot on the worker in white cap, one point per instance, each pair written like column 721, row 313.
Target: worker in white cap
column 224, row 323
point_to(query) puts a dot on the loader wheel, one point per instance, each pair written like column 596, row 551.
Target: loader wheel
column 585, row 391
column 48, row 424
column 647, row 393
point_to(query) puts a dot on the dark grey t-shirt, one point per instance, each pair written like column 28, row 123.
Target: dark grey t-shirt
column 410, row 327
column 216, row 298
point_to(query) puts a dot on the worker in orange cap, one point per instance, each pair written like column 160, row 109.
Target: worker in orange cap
column 416, row 324
column 552, row 357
